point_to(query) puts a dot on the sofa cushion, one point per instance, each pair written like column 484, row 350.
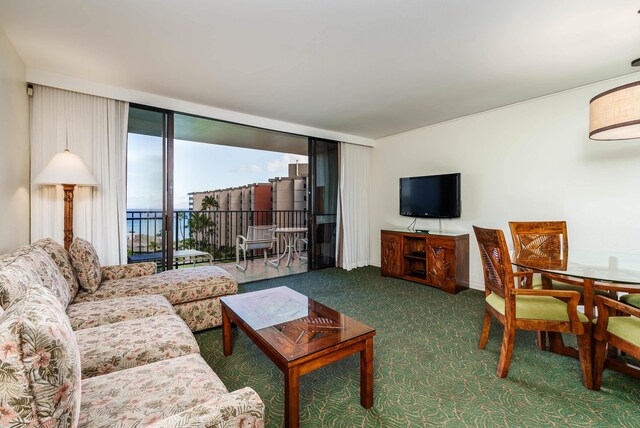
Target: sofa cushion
column 30, row 266
column 242, row 408
column 101, row 312
column 201, row 314
column 40, row 383
column 133, row 270
column 62, row 259
column 142, row 395
column 133, row 343
column 86, row 263
column 177, row 285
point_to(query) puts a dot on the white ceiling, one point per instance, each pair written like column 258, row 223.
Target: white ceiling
column 369, row 68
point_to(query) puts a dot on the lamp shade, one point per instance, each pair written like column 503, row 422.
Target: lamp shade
column 66, row 168
column 615, row 114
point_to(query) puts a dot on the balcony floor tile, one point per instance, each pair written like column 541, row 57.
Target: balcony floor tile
column 257, row 270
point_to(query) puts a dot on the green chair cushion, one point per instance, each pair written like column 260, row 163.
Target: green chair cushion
column 631, row 299
column 557, row 285
column 627, row 328
column 535, row 308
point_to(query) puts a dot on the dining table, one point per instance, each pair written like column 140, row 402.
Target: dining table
column 603, row 270
column 611, row 272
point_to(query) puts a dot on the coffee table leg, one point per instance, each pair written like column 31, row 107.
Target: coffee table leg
column 292, row 397
column 226, row 333
column 366, row 374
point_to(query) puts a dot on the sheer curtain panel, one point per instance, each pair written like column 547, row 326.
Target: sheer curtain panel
column 95, row 129
column 354, row 209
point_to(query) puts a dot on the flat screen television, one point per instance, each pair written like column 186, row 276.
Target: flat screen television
column 432, row 196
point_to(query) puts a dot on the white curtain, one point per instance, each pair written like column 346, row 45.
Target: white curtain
column 354, row 205
column 95, row 129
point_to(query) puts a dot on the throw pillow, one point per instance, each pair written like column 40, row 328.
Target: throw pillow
column 86, row 263
column 63, row 260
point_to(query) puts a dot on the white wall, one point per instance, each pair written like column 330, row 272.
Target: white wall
column 528, row 161
column 14, row 149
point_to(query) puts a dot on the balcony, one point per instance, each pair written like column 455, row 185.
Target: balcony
column 212, row 232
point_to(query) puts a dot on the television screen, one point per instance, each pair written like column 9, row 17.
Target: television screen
column 434, row 196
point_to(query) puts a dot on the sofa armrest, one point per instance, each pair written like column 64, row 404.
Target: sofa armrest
column 133, row 270
column 241, row 408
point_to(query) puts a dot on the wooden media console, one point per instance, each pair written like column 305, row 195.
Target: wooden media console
column 437, row 259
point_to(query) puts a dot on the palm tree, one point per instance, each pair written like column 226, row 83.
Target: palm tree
column 209, row 202
column 200, row 223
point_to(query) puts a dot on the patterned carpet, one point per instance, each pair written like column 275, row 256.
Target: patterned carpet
column 428, row 368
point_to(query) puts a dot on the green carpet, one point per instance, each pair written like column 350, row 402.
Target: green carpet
column 428, row 368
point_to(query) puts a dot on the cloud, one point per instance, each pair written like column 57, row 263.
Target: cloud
column 282, row 163
column 250, row 168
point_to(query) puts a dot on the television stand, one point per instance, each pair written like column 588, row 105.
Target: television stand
column 437, row 259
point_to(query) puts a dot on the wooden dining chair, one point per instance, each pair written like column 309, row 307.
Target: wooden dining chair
column 543, row 241
column 632, row 299
column 618, row 326
column 548, row 243
column 525, row 309
column 540, row 239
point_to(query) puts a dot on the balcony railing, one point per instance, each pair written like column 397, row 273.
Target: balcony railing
column 213, row 232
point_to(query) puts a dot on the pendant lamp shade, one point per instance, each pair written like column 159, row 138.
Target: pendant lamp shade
column 66, row 168
column 615, row 114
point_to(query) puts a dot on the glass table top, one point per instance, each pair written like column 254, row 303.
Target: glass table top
column 596, row 265
column 291, row 323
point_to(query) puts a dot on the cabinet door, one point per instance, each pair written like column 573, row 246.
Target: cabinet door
column 441, row 264
column 391, row 254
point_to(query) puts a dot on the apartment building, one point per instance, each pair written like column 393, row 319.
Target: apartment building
column 281, row 201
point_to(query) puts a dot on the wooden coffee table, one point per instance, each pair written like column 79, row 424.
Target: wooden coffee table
column 299, row 335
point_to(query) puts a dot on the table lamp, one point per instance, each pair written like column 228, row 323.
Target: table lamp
column 68, row 170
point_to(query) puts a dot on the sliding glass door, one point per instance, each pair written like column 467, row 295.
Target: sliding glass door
column 150, row 186
column 195, row 184
column 323, row 209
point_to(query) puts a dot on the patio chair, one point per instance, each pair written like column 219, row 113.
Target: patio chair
column 258, row 238
column 304, row 243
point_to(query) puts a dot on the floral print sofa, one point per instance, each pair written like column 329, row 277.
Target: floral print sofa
column 194, row 293
column 127, row 361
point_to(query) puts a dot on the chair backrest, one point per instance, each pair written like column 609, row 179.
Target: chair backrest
column 261, row 233
column 540, row 240
column 496, row 262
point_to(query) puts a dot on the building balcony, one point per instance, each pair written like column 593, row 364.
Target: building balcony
column 213, row 233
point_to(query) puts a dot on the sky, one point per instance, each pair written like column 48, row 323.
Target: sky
column 198, row 167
